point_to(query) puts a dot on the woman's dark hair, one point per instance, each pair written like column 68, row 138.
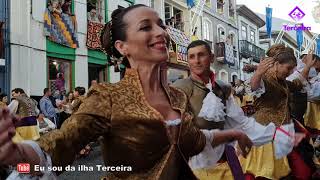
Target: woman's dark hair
column 68, row 94
column 282, row 54
column 116, row 30
column 18, row 90
column 199, row 43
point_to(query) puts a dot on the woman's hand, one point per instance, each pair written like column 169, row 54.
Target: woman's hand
column 244, row 143
column 226, row 136
column 262, row 68
column 8, row 149
column 309, row 60
column 264, row 65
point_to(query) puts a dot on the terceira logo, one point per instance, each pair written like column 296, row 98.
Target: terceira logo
column 297, row 14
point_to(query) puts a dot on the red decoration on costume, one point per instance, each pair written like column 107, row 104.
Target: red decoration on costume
column 213, row 79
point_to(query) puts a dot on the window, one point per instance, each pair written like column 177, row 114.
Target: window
column 95, row 10
column 231, row 9
column 221, row 34
column 220, row 4
column 177, row 14
column 252, row 36
column 167, row 12
column 96, row 72
column 1, row 40
column 173, row 16
column 60, row 6
column 231, row 39
column 223, row 75
column 244, row 31
column 206, row 30
column 208, row 3
column 59, row 75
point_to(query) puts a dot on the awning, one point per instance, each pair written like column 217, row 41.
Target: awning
column 181, row 43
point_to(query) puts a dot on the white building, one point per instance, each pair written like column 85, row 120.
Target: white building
column 36, row 61
column 249, row 50
column 219, row 29
column 289, row 37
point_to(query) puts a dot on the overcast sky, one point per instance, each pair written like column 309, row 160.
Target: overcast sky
column 281, row 9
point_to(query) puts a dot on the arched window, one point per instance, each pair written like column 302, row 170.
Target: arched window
column 206, row 30
column 221, row 33
column 231, row 38
column 223, row 75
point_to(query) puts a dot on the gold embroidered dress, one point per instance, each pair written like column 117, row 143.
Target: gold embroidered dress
column 134, row 133
column 271, row 106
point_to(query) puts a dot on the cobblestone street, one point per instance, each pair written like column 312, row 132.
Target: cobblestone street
column 93, row 159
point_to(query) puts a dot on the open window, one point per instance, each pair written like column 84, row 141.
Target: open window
column 60, row 75
column 60, row 25
column 96, row 11
column 173, row 17
column 220, row 4
column 221, row 37
column 231, row 9
column 60, row 6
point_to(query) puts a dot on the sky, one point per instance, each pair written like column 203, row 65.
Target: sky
column 281, row 9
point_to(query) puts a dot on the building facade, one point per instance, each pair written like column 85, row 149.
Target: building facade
column 4, row 46
column 42, row 56
column 250, row 51
column 219, row 29
column 289, row 38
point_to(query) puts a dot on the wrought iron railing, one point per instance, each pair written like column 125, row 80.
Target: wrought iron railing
column 248, row 49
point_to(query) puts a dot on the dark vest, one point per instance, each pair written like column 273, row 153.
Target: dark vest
column 27, row 106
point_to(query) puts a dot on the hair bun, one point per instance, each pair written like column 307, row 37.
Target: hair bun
column 275, row 49
column 105, row 39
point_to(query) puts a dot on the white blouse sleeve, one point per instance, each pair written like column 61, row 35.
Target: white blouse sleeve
column 258, row 92
column 209, row 156
column 314, row 90
column 236, row 119
column 284, row 140
column 13, row 106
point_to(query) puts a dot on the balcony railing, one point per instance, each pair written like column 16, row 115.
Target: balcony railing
column 248, row 49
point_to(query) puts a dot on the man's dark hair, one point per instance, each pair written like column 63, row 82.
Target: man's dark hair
column 81, row 90
column 199, row 43
column 18, row 90
column 45, row 90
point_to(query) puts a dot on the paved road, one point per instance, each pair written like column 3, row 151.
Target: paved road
column 93, row 159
